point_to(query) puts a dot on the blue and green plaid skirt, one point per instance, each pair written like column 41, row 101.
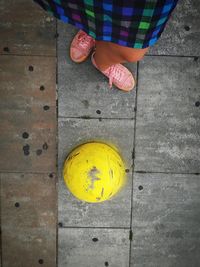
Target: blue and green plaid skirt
column 130, row 23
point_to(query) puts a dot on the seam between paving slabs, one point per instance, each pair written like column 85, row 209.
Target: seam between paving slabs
column 60, row 119
column 93, row 227
column 93, row 118
column 133, row 164
column 56, row 143
column 162, row 55
column 184, row 173
column 194, row 173
column 26, row 55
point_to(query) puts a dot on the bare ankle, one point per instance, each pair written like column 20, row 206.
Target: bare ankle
column 100, row 64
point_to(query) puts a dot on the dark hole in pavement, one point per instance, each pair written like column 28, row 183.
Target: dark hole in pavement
column 98, row 111
column 45, row 146
column 39, row 152
column 42, row 88
column 187, row 28
column 6, row 49
column 46, row 107
column 17, row 204
column 25, row 135
column 140, row 187
column 41, row 261
column 95, row 239
column 26, row 150
column 30, row 68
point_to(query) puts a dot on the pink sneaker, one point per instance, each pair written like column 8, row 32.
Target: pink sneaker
column 81, row 46
column 118, row 75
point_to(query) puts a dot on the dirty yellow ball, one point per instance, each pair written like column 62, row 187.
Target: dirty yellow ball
column 94, row 172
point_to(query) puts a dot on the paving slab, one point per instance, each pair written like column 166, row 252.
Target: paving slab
column 168, row 116
column 26, row 29
column 181, row 35
column 166, row 220
column 28, row 215
column 28, row 114
column 93, row 247
column 83, row 90
column 112, row 213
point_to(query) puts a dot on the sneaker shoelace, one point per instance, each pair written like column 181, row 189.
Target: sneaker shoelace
column 85, row 41
column 115, row 72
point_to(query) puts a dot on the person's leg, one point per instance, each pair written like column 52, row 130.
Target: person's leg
column 107, row 54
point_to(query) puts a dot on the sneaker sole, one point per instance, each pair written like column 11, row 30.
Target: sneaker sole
column 79, row 60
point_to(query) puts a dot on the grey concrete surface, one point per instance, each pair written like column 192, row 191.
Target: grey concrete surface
column 181, row 35
column 27, row 129
column 83, row 89
column 93, row 247
column 73, row 132
column 161, row 207
column 113, row 213
column 26, row 29
column 28, row 217
column 164, row 210
column 28, row 200
column 168, row 115
column 166, row 219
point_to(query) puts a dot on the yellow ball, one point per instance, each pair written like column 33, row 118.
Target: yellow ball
column 94, row 172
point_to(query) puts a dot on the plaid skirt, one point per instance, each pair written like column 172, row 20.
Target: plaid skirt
column 130, row 23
